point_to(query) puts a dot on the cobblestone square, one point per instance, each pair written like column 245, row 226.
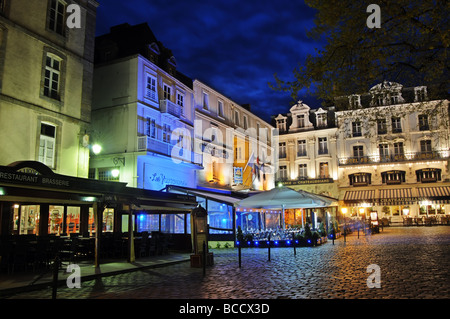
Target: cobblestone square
column 414, row 263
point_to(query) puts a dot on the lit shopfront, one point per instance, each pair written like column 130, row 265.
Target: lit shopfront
column 400, row 204
column 34, row 201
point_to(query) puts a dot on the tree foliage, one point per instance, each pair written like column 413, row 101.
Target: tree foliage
column 410, row 47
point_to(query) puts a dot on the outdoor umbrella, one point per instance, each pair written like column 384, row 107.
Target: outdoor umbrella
column 284, row 198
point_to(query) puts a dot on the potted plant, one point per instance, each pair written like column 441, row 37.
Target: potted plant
column 323, row 232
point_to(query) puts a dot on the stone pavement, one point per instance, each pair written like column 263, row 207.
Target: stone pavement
column 21, row 281
column 414, row 263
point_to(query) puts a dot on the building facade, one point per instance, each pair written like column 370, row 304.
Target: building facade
column 236, row 145
column 307, row 150
column 393, row 152
column 143, row 114
column 46, row 69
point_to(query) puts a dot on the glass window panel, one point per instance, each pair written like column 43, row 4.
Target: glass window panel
column 108, row 220
column 219, row 216
column 146, row 222
column 55, row 220
column 73, row 220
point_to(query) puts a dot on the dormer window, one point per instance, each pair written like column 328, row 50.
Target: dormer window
column 380, row 99
column 172, row 61
column 281, row 125
column 154, row 47
column 355, row 101
column 394, row 99
column 301, row 121
column 420, row 93
column 321, row 120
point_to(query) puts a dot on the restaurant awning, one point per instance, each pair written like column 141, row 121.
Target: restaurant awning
column 396, row 196
column 441, row 195
column 356, row 198
column 226, row 198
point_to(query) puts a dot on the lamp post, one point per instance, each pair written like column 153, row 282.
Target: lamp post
column 344, row 211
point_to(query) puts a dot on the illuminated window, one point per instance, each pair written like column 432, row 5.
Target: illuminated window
column 302, row 171
column 396, row 125
column 150, row 88
column 425, row 146
column 301, row 121
column 323, row 170
column 167, row 92
column 358, row 151
column 236, row 117
column 245, row 122
column 55, row 220
column 423, row 122
column 321, row 120
column 180, row 102
column 393, row 177
column 360, row 179
column 356, row 129
column 73, row 220
column 420, row 94
column 26, row 220
column 282, row 150
column 381, row 126
column 205, row 101
column 428, row 175
column 105, row 174
column 283, row 172
column 398, row 149
column 281, row 125
column 384, row 152
column 323, row 146
column 166, row 133
column 151, row 128
column 220, row 109
column 301, row 148
column 47, row 144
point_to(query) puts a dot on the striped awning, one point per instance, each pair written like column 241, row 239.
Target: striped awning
column 396, row 196
column 439, row 194
column 359, row 197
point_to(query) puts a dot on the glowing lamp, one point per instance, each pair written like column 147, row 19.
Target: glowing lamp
column 96, row 149
column 115, row 173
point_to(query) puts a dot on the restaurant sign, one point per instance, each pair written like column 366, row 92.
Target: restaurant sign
column 308, row 181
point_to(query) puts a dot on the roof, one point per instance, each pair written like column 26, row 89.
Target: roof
column 125, row 40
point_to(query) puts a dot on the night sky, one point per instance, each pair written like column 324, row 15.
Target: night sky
column 234, row 46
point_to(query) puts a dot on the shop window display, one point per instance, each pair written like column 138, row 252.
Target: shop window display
column 73, row 220
column 26, row 220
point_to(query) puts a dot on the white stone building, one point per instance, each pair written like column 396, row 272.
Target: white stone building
column 143, row 113
column 234, row 143
column 393, row 153
column 307, row 157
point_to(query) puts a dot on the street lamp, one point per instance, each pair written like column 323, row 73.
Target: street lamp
column 344, row 211
column 96, row 148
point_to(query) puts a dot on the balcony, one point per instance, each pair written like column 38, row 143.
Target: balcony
column 406, row 157
column 148, row 144
column 170, row 108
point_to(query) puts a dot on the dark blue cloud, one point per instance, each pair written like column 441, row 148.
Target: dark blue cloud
column 234, row 46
